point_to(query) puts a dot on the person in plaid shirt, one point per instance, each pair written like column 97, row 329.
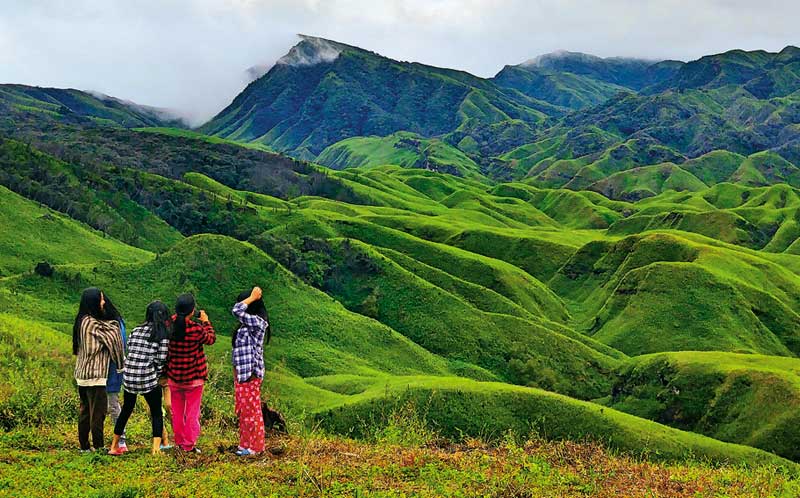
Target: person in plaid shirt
column 248, row 365
column 146, row 359
column 187, row 370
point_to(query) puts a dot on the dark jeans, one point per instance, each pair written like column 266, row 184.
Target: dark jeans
column 94, row 404
column 153, row 399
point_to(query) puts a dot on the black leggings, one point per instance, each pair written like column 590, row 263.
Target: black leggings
column 153, row 399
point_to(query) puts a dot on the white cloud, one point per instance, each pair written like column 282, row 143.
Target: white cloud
column 193, row 54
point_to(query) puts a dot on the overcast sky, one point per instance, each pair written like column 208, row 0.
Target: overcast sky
column 192, row 55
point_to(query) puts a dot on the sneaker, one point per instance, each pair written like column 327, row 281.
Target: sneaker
column 245, row 452
column 87, row 450
column 194, row 450
column 165, row 447
column 123, row 446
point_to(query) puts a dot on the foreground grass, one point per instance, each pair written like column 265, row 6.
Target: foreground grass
column 316, row 465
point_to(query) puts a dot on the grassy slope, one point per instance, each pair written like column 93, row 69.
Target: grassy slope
column 752, row 217
column 30, row 360
column 71, row 104
column 402, row 149
column 463, row 408
column 93, row 200
column 243, row 197
column 748, row 399
column 32, row 234
column 454, row 402
column 316, row 335
column 707, row 297
column 497, row 275
column 647, row 181
column 405, row 302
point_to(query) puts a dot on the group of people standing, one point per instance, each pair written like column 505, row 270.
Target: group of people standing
column 164, row 361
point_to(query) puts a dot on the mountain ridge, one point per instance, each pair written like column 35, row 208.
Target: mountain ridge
column 585, row 105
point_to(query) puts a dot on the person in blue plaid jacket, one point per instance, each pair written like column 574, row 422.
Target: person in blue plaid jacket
column 248, row 366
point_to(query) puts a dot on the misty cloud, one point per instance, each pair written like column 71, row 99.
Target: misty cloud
column 196, row 55
column 317, row 50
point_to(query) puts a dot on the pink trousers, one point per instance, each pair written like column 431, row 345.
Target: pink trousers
column 186, row 413
column 248, row 407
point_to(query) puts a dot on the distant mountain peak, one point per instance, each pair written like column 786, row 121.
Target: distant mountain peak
column 544, row 60
column 559, row 56
column 312, row 50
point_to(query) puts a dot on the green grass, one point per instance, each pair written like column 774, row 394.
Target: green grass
column 57, row 103
column 484, row 303
column 35, row 389
column 33, row 234
column 243, row 197
column 463, row 408
column 84, row 194
column 647, row 181
column 316, row 335
column 35, row 364
column 714, row 167
column 324, row 466
column 401, row 149
column 662, row 292
column 497, row 275
column 747, row 399
column 766, row 168
column 382, row 289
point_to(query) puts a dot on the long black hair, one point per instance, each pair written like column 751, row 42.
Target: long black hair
column 184, row 307
column 90, row 306
column 255, row 308
column 157, row 317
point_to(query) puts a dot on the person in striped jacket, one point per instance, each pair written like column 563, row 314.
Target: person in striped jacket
column 96, row 341
column 248, row 366
column 144, row 364
column 187, row 370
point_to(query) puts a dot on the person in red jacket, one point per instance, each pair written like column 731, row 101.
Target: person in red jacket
column 187, row 370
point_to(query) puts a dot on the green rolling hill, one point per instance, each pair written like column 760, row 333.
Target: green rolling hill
column 32, row 232
column 400, row 149
column 749, row 399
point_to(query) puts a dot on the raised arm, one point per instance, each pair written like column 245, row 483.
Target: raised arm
column 252, row 322
column 207, row 336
